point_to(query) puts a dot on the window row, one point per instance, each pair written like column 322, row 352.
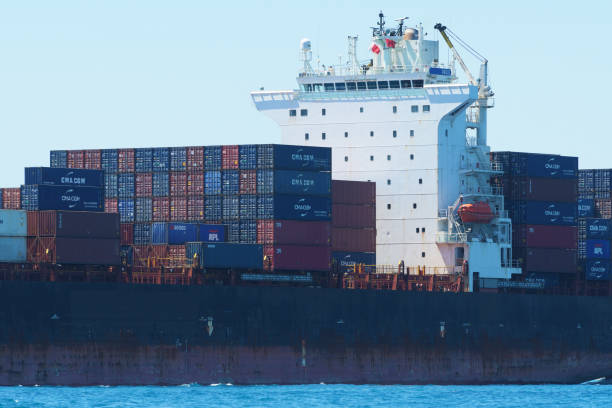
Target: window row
column 346, row 134
column 362, row 85
column 413, row 109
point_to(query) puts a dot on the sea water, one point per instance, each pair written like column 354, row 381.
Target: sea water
column 310, row 396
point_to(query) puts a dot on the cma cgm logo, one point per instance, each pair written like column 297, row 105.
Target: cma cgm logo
column 551, row 164
column 302, row 182
column 299, row 156
column 597, row 267
column 551, row 211
column 302, row 205
column 71, row 198
column 70, row 179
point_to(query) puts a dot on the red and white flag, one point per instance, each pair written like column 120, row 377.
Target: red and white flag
column 390, row 43
column 375, row 48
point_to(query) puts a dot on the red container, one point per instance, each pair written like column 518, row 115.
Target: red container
column 353, row 192
column 195, row 158
column 603, row 208
column 178, row 209
column 354, row 239
column 547, row 260
column 195, row 208
column 11, row 198
column 178, row 184
column 161, row 209
column 74, row 159
column 92, row 159
column 230, row 156
column 111, row 205
column 125, row 160
column 158, row 255
column 176, row 256
column 79, row 251
column 311, row 233
column 143, row 184
column 542, row 189
column 127, row 233
column 195, row 184
column 141, row 255
column 354, row 215
column 544, row 236
column 297, row 258
column 248, row 182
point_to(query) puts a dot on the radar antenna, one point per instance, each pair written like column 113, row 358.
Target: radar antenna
column 400, row 29
column 381, row 23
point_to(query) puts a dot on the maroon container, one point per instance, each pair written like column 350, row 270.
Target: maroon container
column 161, row 209
column 195, row 208
column 297, row 258
column 73, row 224
column 141, row 255
column 544, row 236
column 143, row 184
column 125, row 161
column 248, row 182
column 92, row 159
column 127, row 233
column 74, row 159
column 195, row 158
column 603, row 208
column 290, row 232
column 547, row 259
column 11, row 198
column 353, row 239
column 178, row 209
column 90, row 251
column 542, row 189
column 354, row 215
column 229, row 156
column 111, row 205
column 195, row 184
column 178, row 184
column 353, row 192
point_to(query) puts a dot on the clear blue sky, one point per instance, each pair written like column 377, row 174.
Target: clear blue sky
column 82, row 74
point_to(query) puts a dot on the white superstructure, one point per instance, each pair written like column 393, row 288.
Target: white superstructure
column 403, row 121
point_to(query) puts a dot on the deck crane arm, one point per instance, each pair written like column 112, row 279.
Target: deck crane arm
column 442, row 30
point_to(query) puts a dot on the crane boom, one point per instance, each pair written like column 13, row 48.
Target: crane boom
column 442, row 30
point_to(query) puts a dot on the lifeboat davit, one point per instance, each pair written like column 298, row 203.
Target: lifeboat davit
column 479, row 212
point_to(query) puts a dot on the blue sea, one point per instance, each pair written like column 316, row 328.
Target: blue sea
column 310, row 396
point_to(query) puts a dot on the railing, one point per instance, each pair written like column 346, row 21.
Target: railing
column 481, row 166
column 443, row 213
column 451, row 238
column 496, row 191
column 345, row 70
column 511, row 263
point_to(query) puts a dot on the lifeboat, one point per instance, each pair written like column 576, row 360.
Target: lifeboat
column 479, row 212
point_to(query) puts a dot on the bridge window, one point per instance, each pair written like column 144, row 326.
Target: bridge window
column 426, row 108
column 308, row 87
column 323, row 136
column 340, row 86
column 345, row 158
column 414, row 108
column 383, row 85
column 412, row 157
column 303, row 112
column 361, row 109
column 388, row 206
column 328, row 87
column 372, row 85
column 317, row 87
column 323, row 112
column 394, row 84
column 361, row 86
column 351, row 86
column 394, row 109
column 395, row 133
column 414, row 205
column 418, row 230
column 292, row 112
column 405, row 83
column 306, row 136
column 417, row 83
column 371, row 133
column 388, row 182
column 345, row 134
column 389, row 157
column 420, row 181
column 371, row 158
column 411, row 132
column 422, row 254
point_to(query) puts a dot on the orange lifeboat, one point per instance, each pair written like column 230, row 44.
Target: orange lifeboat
column 479, row 212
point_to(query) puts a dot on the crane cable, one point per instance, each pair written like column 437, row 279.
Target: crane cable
column 465, row 45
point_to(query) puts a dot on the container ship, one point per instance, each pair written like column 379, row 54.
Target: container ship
column 383, row 242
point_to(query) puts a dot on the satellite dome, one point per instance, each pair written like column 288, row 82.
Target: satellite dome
column 305, row 44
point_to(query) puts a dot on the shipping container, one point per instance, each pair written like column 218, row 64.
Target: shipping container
column 13, row 249
column 354, row 216
column 178, row 209
column 143, row 185
column 64, row 176
column 213, row 208
column 597, row 249
column 297, row 258
column 161, row 159
column 195, row 159
column 598, row 228
column 211, row 233
column 226, row 255
column 143, row 160
column 142, row 255
column 546, row 259
column 161, row 209
column 212, row 158
column 294, row 232
column 346, row 261
column 294, row 207
column 142, row 233
column 288, row 157
column 174, row 233
column 353, row 239
column 544, row 236
column 231, row 207
column 45, row 197
column 161, row 184
column 545, row 280
column 126, row 210
column 111, row 187
column 542, row 212
column 73, row 224
column 233, row 231
column 111, row 205
column 125, row 160
column 93, row 251
column 248, row 157
column 143, row 209
column 92, row 159
column 13, row 223
column 125, row 185
column 11, row 198
column 212, row 182
column 109, row 161
column 230, row 181
column 353, row 192
column 597, row 269
column 195, row 208
column 75, row 159
column 586, row 208
column 248, row 232
column 248, row 207
column 230, row 157
column 603, row 208
column 293, row 182
column 1, row 200
column 537, row 165
column 195, row 184
column 127, row 233
column 176, row 256
column 58, row 158
column 248, row 182
column 178, row 184
column 178, row 159
column 540, row 189
column 126, row 253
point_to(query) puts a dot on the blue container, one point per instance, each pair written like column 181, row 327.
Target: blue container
column 585, row 208
column 178, row 158
column 597, row 228
column 110, row 185
column 239, row 256
column 13, row 249
column 143, row 211
column 58, row 158
column 346, row 261
column 213, row 208
column 230, row 182
column 233, row 231
column 294, row 207
column 248, row 232
column 302, row 182
column 248, row 157
column 64, row 176
column 537, row 165
column 1, row 198
column 211, row 233
column 45, row 197
column 231, row 207
column 597, row 269
column 290, row 157
column 542, row 212
column 248, row 207
column 125, row 185
column 212, row 182
column 173, row 233
column 597, row 249
column 161, row 159
column 212, row 158
column 126, row 210
column 13, row 223
column 143, row 160
column 544, row 280
column 161, row 184
column 142, row 233
column 265, row 207
column 109, row 160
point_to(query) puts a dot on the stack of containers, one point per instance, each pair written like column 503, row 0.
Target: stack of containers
column 353, row 224
column 595, row 223
column 13, row 231
column 10, row 198
column 540, row 194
